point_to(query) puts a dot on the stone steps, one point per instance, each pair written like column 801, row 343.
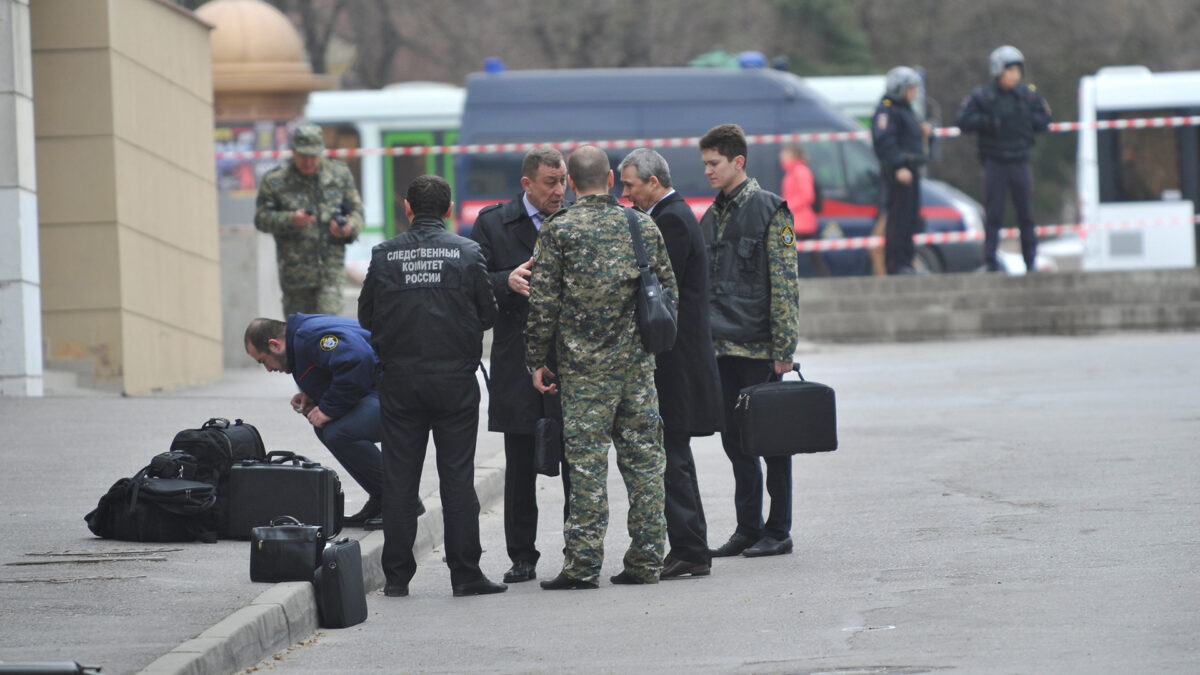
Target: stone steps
column 955, row 306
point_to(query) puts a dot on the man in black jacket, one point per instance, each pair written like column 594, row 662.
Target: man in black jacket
column 1006, row 114
column 427, row 301
column 689, row 397
column 506, row 233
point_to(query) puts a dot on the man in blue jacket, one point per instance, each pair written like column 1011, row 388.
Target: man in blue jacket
column 333, row 363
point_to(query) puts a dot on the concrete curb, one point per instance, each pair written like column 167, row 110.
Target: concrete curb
column 286, row 613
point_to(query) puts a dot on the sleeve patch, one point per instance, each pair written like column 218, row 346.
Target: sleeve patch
column 328, row 342
column 881, row 121
column 787, row 236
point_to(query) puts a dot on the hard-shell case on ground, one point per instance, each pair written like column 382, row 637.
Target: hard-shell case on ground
column 786, row 417
column 286, row 484
column 338, row 584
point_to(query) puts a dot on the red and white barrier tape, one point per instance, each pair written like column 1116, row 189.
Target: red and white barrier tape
column 688, row 141
column 1081, row 229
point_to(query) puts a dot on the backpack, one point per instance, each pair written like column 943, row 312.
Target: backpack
column 151, row 509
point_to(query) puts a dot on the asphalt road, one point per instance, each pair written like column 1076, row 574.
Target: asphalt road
column 1000, row 506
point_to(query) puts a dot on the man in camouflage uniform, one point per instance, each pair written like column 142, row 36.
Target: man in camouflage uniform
column 755, row 307
column 583, row 296
column 311, row 206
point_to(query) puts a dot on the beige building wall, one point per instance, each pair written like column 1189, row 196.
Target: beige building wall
column 127, row 195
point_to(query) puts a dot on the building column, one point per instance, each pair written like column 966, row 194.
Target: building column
column 20, row 278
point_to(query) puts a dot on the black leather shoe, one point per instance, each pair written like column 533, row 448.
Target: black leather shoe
column 373, row 523
column 737, row 543
column 372, row 509
column 769, row 546
column 627, row 579
column 674, row 568
column 563, row 582
column 481, row 586
column 520, row 571
column 396, row 590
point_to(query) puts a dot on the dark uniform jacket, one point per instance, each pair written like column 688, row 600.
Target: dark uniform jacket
column 507, row 236
column 741, row 283
column 897, row 138
column 427, row 301
column 332, row 361
column 1005, row 120
column 689, row 392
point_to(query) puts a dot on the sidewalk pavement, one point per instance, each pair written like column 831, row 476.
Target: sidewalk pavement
column 1009, row 505
column 66, row 595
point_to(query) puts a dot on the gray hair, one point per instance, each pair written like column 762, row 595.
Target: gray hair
column 647, row 163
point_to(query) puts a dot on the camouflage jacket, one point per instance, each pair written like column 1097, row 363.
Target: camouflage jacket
column 309, row 257
column 583, row 290
column 781, row 331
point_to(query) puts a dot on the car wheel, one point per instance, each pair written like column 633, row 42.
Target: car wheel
column 927, row 261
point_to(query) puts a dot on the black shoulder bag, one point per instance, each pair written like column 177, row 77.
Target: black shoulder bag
column 655, row 313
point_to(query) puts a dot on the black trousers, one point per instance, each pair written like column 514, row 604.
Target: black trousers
column 412, row 405
column 520, row 497
column 737, row 373
column 904, row 213
column 999, row 180
column 687, row 531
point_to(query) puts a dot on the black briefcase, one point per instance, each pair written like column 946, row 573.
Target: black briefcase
column 547, row 446
column 285, row 550
column 285, row 484
column 786, row 417
column 338, row 584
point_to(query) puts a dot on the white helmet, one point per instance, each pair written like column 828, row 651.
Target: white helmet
column 899, row 79
column 1003, row 57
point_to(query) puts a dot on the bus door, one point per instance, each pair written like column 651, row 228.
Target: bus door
column 400, row 170
column 1152, row 167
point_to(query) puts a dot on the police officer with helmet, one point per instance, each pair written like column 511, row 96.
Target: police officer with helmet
column 1006, row 113
column 898, row 135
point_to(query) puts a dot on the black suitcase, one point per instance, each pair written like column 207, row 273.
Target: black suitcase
column 338, row 584
column 286, row 484
column 786, row 417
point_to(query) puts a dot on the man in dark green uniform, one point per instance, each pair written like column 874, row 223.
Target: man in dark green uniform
column 312, row 208
column 755, row 307
column 582, row 298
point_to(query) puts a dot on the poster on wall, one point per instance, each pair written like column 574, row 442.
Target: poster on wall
column 238, row 177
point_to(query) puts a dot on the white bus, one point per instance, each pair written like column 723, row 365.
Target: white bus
column 1147, row 175
column 404, row 114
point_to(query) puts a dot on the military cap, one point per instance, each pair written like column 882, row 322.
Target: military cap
column 308, row 139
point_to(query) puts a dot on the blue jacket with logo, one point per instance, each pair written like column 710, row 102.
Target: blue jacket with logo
column 332, row 360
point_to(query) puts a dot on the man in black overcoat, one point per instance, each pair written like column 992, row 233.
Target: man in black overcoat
column 689, row 398
column 507, row 233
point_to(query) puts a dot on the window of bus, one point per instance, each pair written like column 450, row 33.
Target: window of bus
column 1140, row 164
column 345, row 137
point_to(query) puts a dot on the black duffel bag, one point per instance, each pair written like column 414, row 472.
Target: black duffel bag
column 146, row 508
column 216, row 446
column 220, row 445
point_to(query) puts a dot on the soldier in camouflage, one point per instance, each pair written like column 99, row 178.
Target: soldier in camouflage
column 312, row 208
column 583, row 297
column 755, row 307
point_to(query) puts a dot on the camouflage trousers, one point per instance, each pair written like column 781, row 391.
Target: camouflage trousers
column 622, row 409
column 326, row 299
